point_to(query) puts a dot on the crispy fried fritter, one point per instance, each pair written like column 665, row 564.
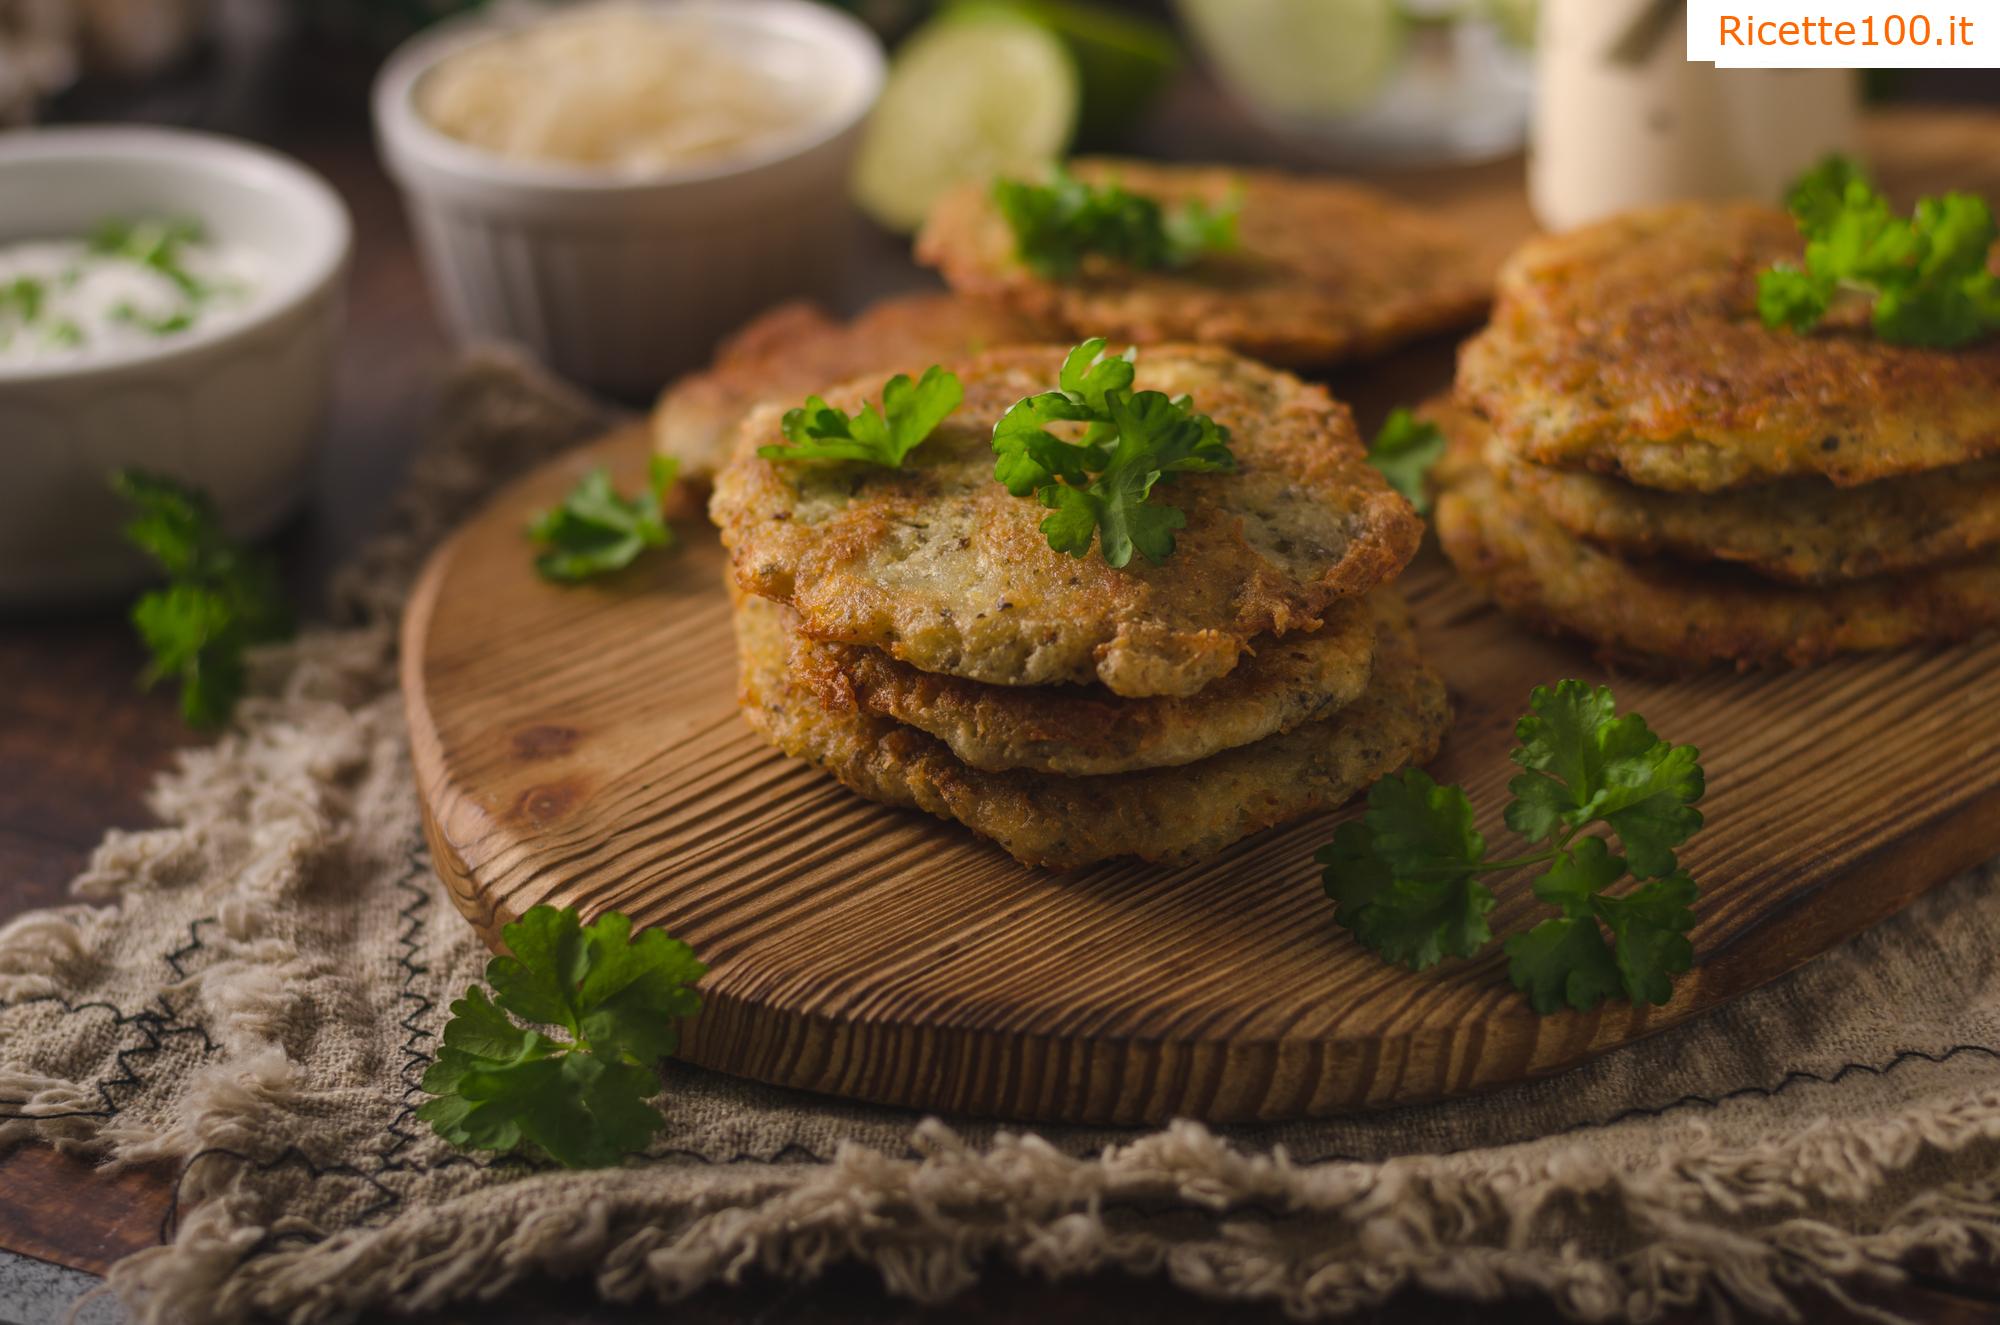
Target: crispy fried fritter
column 1085, row 730
column 795, row 349
column 939, row 565
column 1801, row 531
column 1164, row 814
column 1633, row 347
column 1325, row 270
column 1659, row 612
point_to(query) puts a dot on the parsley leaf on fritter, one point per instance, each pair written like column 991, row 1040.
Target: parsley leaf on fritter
column 909, row 413
column 595, row 531
column 1099, row 485
column 1057, row 224
column 1928, row 274
column 1404, row 450
column 498, row 1085
column 220, row 598
column 1405, row 877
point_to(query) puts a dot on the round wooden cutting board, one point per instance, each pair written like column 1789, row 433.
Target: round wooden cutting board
column 581, row 746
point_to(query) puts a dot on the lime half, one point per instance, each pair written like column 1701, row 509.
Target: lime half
column 1301, row 57
column 1124, row 60
column 968, row 97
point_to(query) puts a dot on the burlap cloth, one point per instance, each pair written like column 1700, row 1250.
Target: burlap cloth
column 254, row 990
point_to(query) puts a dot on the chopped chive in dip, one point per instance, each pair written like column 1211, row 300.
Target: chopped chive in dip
column 127, row 285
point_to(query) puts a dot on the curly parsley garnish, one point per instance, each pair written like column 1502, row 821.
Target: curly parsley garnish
column 1927, row 274
column 581, row 1101
column 595, row 531
column 1404, row 450
column 909, row 414
column 1099, row 485
column 1405, row 876
column 220, row 597
column 1056, row 224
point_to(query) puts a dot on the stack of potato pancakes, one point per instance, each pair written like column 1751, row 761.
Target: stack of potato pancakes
column 1638, row 459
column 912, row 631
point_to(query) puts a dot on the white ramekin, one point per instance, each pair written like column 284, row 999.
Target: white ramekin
column 234, row 408
column 616, row 280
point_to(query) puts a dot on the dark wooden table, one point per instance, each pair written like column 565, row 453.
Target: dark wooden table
column 79, row 744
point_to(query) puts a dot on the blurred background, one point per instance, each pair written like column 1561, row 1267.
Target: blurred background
column 1430, row 97
column 1417, row 79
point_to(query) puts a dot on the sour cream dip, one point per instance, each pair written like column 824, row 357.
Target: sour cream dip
column 125, row 289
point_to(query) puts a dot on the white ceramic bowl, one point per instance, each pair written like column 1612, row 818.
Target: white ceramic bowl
column 619, row 280
column 234, row 407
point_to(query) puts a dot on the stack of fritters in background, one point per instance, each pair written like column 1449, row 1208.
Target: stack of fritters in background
column 1636, row 458
column 912, row 631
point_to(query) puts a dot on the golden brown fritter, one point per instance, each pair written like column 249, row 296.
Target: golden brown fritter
column 1633, row 348
column 939, row 565
column 795, row 349
column 1800, row 531
column 1165, row 814
column 1085, row 731
column 1325, row 270
column 1658, row 612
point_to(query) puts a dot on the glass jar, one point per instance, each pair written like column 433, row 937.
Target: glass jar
column 1623, row 119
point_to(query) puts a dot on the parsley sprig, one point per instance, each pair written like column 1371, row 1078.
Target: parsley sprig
column 1099, row 486
column 595, row 531
column 1405, row 876
column 1404, row 450
column 884, row 436
column 500, row 1085
column 220, row 597
column 1057, row 224
column 1927, row 274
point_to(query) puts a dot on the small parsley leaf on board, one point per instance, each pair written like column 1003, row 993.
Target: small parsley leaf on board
column 909, row 413
column 1928, row 275
column 220, row 598
column 500, row 1085
column 1404, row 449
column 1100, row 485
column 595, row 531
column 1405, row 877
column 1057, row 224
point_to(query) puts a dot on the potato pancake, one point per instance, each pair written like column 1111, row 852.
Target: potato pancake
column 937, row 564
column 1633, row 348
column 1801, row 531
column 796, row 349
column 1172, row 815
column 1084, row 731
column 1660, row 612
column 1324, row 270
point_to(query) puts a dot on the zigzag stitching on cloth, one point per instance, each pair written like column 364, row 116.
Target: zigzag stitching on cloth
column 155, row 1026
column 1797, row 1076
column 188, row 949
column 416, row 1059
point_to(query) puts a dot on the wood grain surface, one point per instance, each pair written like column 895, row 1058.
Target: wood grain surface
column 581, row 746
